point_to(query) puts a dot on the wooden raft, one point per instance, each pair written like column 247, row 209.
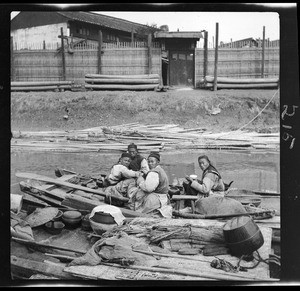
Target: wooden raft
column 105, row 272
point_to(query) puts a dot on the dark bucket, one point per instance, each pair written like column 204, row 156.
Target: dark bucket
column 242, row 236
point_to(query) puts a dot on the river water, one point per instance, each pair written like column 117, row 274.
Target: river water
column 258, row 171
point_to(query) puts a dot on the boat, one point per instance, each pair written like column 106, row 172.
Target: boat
column 54, row 253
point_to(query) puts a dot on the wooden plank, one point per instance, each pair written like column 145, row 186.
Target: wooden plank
column 62, row 183
column 30, row 267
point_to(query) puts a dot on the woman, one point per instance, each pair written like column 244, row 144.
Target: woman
column 151, row 193
column 211, row 182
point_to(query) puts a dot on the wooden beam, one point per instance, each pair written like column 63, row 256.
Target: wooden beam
column 149, row 53
column 99, row 52
column 29, row 267
column 216, row 58
column 263, row 54
column 63, row 54
column 205, row 53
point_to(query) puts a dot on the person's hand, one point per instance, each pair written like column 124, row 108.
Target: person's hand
column 139, row 180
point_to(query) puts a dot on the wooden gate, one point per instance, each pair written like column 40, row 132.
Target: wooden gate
column 181, row 68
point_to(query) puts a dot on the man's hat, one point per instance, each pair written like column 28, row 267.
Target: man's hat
column 126, row 155
column 132, row 145
column 155, row 155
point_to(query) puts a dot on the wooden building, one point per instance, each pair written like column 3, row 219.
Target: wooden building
column 178, row 63
column 37, row 27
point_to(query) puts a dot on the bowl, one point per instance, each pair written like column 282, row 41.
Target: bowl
column 72, row 218
column 54, row 227
column 193, row 177
column 58, row 216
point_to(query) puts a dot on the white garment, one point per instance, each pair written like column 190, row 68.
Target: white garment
column 150, row 183
column 114, row 211
column 118, row 172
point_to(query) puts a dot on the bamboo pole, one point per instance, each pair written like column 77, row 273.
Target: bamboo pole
column 140, row 76
column 216, row 57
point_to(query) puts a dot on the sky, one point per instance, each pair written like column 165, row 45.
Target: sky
column 232, row 25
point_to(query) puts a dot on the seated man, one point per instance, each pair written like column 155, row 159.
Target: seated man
column 138, row 162
column 120, row 177
column 151, row 193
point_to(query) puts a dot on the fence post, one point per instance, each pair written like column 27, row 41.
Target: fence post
column 132, row 38
column 149, row 53
column 205, row 52
column 12, row 65
column 63, row 54
column 99, row 52
column 263, row 55
column 216, row 57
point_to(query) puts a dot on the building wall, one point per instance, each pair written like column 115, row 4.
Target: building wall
column 36, row 35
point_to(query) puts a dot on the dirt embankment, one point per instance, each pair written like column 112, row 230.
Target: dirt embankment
column 223, row 110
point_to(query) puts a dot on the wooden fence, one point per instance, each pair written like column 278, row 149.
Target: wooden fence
column 116, row 59
column 134, row 59
column 238, row 63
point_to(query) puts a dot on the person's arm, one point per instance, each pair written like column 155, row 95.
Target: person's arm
column 129, row 173
column 144, row 166
column 150, row 183
column 206, row 185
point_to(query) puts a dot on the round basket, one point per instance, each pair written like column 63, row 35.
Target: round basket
column 242, row 235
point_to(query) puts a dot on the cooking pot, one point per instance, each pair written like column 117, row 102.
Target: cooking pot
column 72, row 218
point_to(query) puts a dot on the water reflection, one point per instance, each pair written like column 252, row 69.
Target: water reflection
column 249, row 170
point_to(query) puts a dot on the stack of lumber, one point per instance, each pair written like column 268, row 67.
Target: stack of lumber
column 155, row 137
column 121, row 82
column 240, row 83
column 41, row 86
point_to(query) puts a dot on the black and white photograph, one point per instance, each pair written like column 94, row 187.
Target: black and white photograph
column 152, row 144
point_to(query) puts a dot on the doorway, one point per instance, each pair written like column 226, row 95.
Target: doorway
column 181, row 68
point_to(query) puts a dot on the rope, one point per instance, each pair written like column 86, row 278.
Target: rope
column 259, row 260
column 254, row 117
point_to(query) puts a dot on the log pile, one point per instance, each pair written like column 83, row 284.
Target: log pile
column 240, row 83
column 155, row 137
column 42, row 86
column 121, row 82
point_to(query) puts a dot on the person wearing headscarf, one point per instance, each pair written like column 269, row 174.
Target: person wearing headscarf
column 211, row 182
column 138, row 162
column 151, row 193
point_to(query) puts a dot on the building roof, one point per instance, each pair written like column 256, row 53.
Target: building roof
column 104, row 20
column 178, row 34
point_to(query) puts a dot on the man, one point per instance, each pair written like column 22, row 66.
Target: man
column 121, row 171
column 138, row 162
column 151, row 193
column 120, row 177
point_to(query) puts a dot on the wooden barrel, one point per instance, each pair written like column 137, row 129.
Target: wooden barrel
column 242, row 236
